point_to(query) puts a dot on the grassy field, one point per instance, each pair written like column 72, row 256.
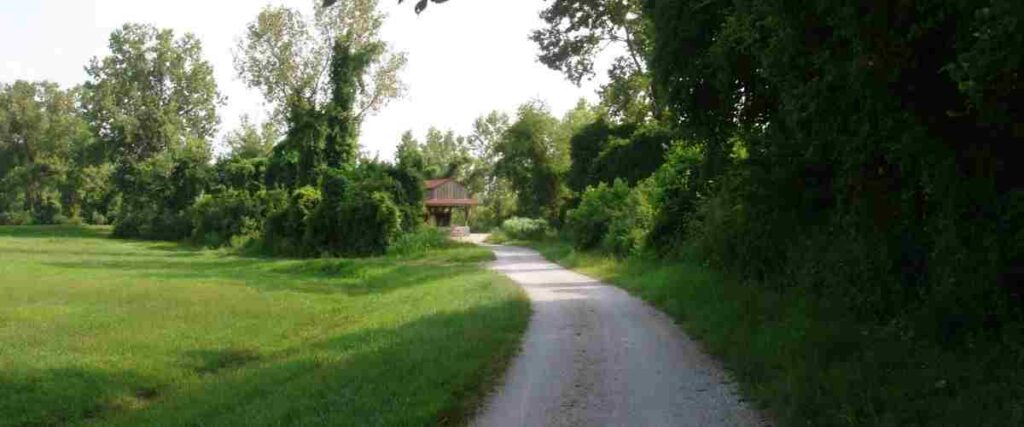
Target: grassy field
column 101, row 331
column 800, row 358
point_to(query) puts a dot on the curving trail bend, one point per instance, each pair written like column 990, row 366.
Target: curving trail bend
column 595, row 356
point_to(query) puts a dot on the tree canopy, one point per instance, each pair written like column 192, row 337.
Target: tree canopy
column 285, row 54
column 154, row 91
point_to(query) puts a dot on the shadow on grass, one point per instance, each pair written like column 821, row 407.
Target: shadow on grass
column 55, row 231
column 174, row 261
column 332, row 276
column 71, row 395
column 435, row 370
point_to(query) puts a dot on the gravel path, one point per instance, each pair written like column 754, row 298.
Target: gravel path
column 595, row 356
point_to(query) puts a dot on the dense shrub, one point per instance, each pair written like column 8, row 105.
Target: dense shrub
column 525, row 228
column 588, row 223
column 909, row 162
column 286, row 226
column 631, row 224
column 96, row 196
column 421, row 240
column 483, row 219
column 218, row 218
column 97, row 219
column 370, row 225
column 677, row 187
column 47, row 209
column 614, row 218
column 15, row 218
column 157, row 193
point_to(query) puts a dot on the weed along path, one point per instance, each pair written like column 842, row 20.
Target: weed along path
column 595, row 356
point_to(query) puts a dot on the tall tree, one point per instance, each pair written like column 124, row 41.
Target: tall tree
column 409, row 155
column 578, row 31
column 528, row 157
column 42, row 137
column 420, row 4
column 250, row 140
column 286, row 55
column 445, row 154
column 153, row 92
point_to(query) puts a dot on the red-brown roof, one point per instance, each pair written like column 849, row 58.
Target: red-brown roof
column 434, row 183
column 452, row 202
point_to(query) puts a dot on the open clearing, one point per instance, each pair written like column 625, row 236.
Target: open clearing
column 95, row 330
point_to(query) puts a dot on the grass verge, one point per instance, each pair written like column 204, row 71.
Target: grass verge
column 96, row 330
column 805, row 362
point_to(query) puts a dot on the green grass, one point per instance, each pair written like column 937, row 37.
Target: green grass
column 101, row 331
column 806, row 363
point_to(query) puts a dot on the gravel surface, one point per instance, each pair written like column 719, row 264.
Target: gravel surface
column 595, row 356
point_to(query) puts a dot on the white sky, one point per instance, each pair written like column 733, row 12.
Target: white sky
column 466, row 57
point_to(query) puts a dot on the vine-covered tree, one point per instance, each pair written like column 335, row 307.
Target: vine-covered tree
column 286, row 55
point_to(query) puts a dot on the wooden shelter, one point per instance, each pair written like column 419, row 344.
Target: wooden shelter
column 443, row 196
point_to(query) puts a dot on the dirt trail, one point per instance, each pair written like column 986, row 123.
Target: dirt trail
column 595, row 356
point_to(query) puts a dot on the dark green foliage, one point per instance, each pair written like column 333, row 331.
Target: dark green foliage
column 584, row 148
column 588, row 223
column 372, row 224
column 46, row 209
column 906, row 153
column 45, row 146
column 282, row 167
column 530, row 158
column 324, row 227
column 217, row 219
column 865, row 152
column 239, row 174
column 632, row 158
column 157, row 194
column 285, row 227
column 602, row 153
column 408, row 197
column 678, row 189
column 359, row 209
column 306, row 138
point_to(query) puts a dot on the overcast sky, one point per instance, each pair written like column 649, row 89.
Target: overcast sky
column 466, row 57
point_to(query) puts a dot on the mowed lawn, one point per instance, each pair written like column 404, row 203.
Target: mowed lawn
column 95, row 330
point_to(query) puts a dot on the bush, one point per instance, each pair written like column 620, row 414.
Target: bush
column 613, row 217
column 525, row 228
column 677, row 188
column 216, row 219
column 15, row 218
column 421, row 240
column 483, row 219
column 371, row 224
column 588, row 223
column 97, row 219
column 631, row 224
column 47, row 209
column 286, row 226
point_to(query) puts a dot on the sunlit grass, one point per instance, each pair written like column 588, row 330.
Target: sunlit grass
column 100, row 330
